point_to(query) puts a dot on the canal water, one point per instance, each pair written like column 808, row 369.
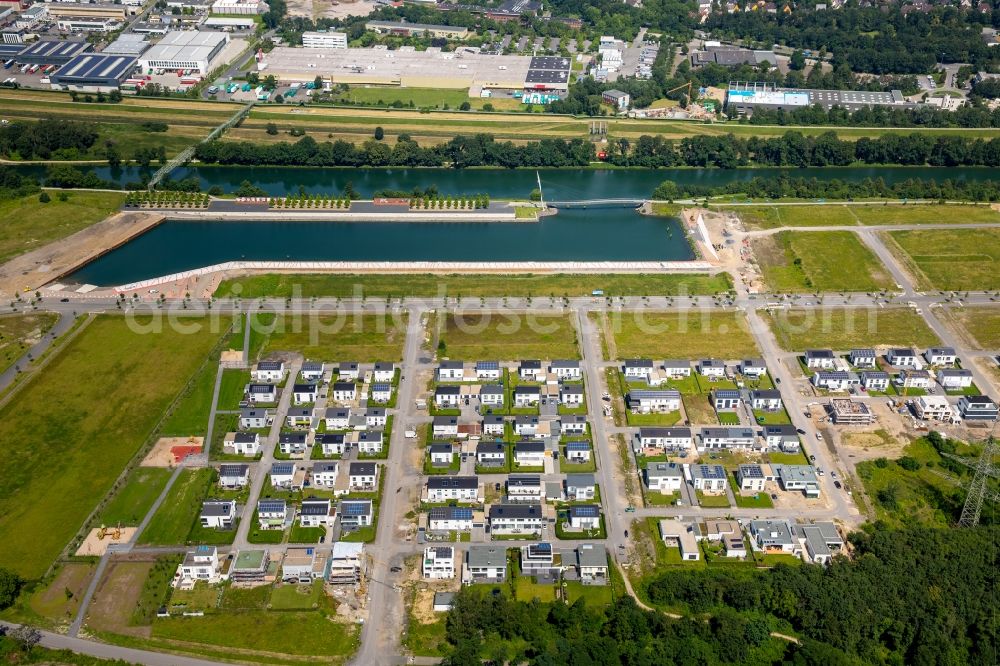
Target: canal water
column 594, row 234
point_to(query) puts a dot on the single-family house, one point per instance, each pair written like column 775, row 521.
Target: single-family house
column 527, row 395
column 376, row 417
column 580, row 487
column 753, row 367
column 302, row 564
column 578, row 452
column 664, row 477
column 302, row 393
column 524, row 488
column 781, row 437
column 316, row 512
column 903, row 358
column 862, row 358
column 717, row 438
column 638, row 368
column 773, row 535
column 234, row 475
column 444, row 488
column 251, row 566
column 573, row 424
column 324, row 474
column 529, row 453
column 312, row 371
column 708, row 478
column 819, row 359
column 751, row 478
column 268, row 372
column 537, row 558
column 933, row 408
column 201, row 564
column 978, row 408
column 491, row 395
column 292, row 443
column 530, row 370
column 255, row 419
column 668, row 439
column 246, row 443
column 384, row 372
column 362, row 476
column 683, row 536
column 677, row 368
column 345, row 391
column 564, row 369
column 835, row 380
column 585, row 517
column 875, row 380
column 451, row 371
column 797, row 477
column 526, row 425
column 485, row 564
column 729, row 534
column 272, row 514
column 493, row 425
column 821, row 541
column 442, row 454
column 299, row 417
column 282, row 474
column 337, row 418
column 954, row 378
column 918, row 379
column 355, row 513
column 645, row 401
column 445, row 426
column 491, row 454
column 348, row 371
column 571, row 395
column 450, row 519
column 439, row 562
column 488, row 370
column 522, row 518
column 766, row 400
column 447, row 396
column 711, row 367
column 370, row 442
column 941, row 356
column 332, row 443
column 261, row 393
column 381, row 392
column 592, row 563
column 726, row 400
column 443, row 601
column 219, row 514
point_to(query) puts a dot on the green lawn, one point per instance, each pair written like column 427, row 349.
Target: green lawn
column 800, row 261
column 363, row 338
column 131, row 503
column 421, row 97
column 190, row 418
column 656, row 498
column 173, row 522
column 538, row 286
column 844, row 328
column 526, row 589
column 299, row 534
column 712, row 501
column 296, row 597
column 241, row 598
column 19, row 332
column 771, row 217
column 231, row 388
column 959, row 259
column 781, row 458
column 654, row 419
column 924, row 214
column 981, row 323
column 759, row 500
column 684, row 334
column 28, row 224
column 507, row 336
column 82, row 420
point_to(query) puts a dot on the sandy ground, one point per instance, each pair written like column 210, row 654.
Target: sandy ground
column 231, row 356
column 316, row 9
column 117, row 596
column 726, row 233
column 93, row 546
column 161, row 456
column 34, row 269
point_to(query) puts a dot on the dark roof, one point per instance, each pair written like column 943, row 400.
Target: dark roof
column 304, row 388
column 819, row 353
column 638, row 363
column 362, row 468
column 491, row 447
column 487, row 365
column 215, row 508
column 451, row 365
column 445, row 482
column 344, row 386
column 577, row 446
column 271, row 505
column 529, row 447
column 245, row 437
column 361, row 507
column 241, row 469
column 516, row 511
column 385, row 366
column 448, row 390
column 269, row 365
column 441, row 448
column 726, row 393
column 766, row 393
column 531, row 365
column 283, row 468
column 292, row 438
column 664, row 432
column 520, row 480
column 94, row 67
column 330, row 438
column 584, row 511
column 450, row 513
column 445, row 420
column 315, row 507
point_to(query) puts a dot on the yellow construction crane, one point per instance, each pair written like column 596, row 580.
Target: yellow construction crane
column 680, row 87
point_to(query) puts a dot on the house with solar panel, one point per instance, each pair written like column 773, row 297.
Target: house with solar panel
column 363, row 476
column 665, row 439
column 450, row 519
column 820, row 359
column 272, row 514
column 726, row 400
column 444, row 488
column 383, row 372
column 524, row 488
column 835, row 380
column 381, row 392
column 316, row 512
column 751, row 478
column 862, row 358
column 344, row 391
column 438, row 562
column 261, row 393
column 234, row 475
column 578, row 452
column 516, row 519
column 269, row 371
column 707, row 478
column 585, row 517
column 312, row 371
column 538, row 559
column 488, row 370
column 282, row 474
column 646, row 401
column 355, row 513
column 727, row 438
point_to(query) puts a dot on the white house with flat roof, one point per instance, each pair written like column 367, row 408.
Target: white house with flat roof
column 439, row 562
column 681, row 535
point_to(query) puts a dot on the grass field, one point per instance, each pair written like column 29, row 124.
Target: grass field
column 981, row 323
column 924, row 214
column 427, row 285
column 82, row 420
column 231, row 389
column 959, row 259
column 19, row 332
column 190, row 418
column 362, row 338
column 506, row 336
column 797, row 261
column 844, row 328
column 172, row 523
column 771, row 217
column 28, row 224
column 425, row 98
column 131, row 503
column 693, row 335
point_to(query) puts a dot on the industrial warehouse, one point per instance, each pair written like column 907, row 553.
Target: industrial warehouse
column 465, row 68
column 94, row 72
column 745, row 97
column 194, row 50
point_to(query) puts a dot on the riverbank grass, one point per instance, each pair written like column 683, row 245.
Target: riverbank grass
column 29, row 224
column 950, row 259
column 796, row 261
column 19, row 332
column 845, row 328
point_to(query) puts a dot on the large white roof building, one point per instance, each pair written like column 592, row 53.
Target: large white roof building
column 185, row 49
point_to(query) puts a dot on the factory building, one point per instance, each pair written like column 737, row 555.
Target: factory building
column 87, row 24
column 93, row 72
column 745, row 97
column 128, row 44
column 52, row 52
column 59, row 10
column 406, row 29
column 185, row 49
column 312, row 39
column 239, row 7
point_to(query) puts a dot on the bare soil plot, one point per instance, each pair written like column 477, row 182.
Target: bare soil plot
column 116, row 598
column 53, row 601
column 94, row 545
column 168, row 451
